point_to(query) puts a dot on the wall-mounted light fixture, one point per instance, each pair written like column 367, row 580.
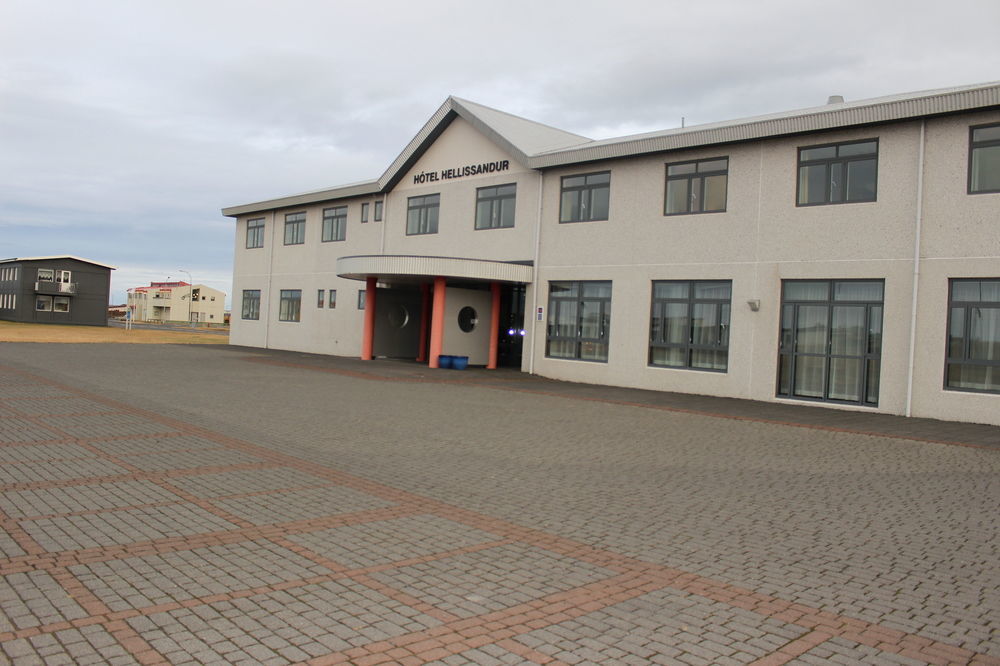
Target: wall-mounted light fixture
column 754, row 304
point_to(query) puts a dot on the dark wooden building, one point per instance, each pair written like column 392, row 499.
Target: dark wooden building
column 55, row 290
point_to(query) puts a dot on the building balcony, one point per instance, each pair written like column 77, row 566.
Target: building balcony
column 65, row 288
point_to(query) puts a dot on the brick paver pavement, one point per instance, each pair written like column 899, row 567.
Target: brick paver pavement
column 200, row 504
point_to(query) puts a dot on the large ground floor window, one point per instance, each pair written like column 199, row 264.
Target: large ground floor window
column 831, row 340
column 973, row 362
column 689, row 324
column 579, row 320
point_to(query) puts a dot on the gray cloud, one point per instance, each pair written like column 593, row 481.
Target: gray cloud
column 126, row 126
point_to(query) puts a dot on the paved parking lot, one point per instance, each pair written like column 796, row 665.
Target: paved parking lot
column 181, row 504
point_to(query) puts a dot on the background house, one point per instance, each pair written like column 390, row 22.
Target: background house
column 177, row 302
column 55, row 290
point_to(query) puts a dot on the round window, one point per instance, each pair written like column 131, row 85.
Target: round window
column 399, row 317
column 467, row 319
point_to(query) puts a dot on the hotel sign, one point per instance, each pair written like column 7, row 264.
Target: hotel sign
column 460, row 172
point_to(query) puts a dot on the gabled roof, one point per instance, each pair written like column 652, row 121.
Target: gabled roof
column 59, row 256
column 540, row 146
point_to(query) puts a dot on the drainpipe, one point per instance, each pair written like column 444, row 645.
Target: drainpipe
column 270, row 275
column 918, row 223
column 534, row 278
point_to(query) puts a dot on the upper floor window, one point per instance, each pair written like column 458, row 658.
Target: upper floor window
column 984, row 159
column 697, row 187
column 320, row 300
column 251, row 304
column 364, row 212
column 422, row 214
column 585, row 198
column 290, row 305
column 332, row 301
column 335, row 224
column 495, row 206
column 295, row 228
column 378, row 211
column 46, row 275
column 838, row 173
column 64, row 277
column 255, row 233
column 973, row 362
column 689, row 324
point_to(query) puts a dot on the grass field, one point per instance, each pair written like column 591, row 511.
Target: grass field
column 20, row 332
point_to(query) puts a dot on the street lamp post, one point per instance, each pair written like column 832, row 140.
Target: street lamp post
column 190, row 294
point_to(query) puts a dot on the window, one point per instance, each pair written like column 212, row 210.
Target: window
column 984, row 159
column 63, row 277
column 585, row 198
column 422, row 214
column 255, row 233
column 495, row 206
column 335, row 224
column 378, row 211
column 43, row 303
column 251, row 304
column 332, row 301
column 320, row 298
column 579, row 321
column 364, row 212
column 362, row 299
column 290, row 305
column 973, row 362
column 60, row 304
column 831, row 340
column 689, row 324
column 697, row 187
column 838, row 173
column 46, row 275
column 295, row 228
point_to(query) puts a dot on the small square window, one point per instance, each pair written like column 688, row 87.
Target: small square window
column 838, row 173
column 295, row 228
column 697, row 187
column 422, row 214
column 585, row 198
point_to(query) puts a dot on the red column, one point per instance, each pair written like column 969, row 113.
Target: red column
column 425, row 321
column 368, row 338
column 494, row 326
column 437, row 322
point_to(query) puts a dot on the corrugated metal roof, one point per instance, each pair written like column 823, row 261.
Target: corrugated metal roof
column 540, row 146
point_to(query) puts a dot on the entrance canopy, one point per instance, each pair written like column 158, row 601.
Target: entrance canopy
column 420, row 268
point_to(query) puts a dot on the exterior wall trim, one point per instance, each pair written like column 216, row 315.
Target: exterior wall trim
column 364, row 266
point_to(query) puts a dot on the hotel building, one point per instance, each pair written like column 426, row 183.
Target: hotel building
column 846, row 255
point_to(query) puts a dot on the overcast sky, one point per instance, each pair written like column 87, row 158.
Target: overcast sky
column 125, row 126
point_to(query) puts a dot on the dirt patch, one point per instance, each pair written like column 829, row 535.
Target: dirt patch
column 20, row 332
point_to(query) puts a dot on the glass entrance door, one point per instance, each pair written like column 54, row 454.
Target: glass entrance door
column 831, row 340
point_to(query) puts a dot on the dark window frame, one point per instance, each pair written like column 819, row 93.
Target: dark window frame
column 427, row 208
column 255, row 233
column 789, row 354
column 722, row 308
column 582, row 197
column 321, row 298
column 334, row 224
column 497, row 206
column 290, row 305
column 362, row 298
column 364, row 212
column 295, row 228
column 331, row 302
column 699, row 177
column 377, row 213
column 981, row 145
column 840, row 162
column 969, row 308
column 251, row 304
column 585, row 348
